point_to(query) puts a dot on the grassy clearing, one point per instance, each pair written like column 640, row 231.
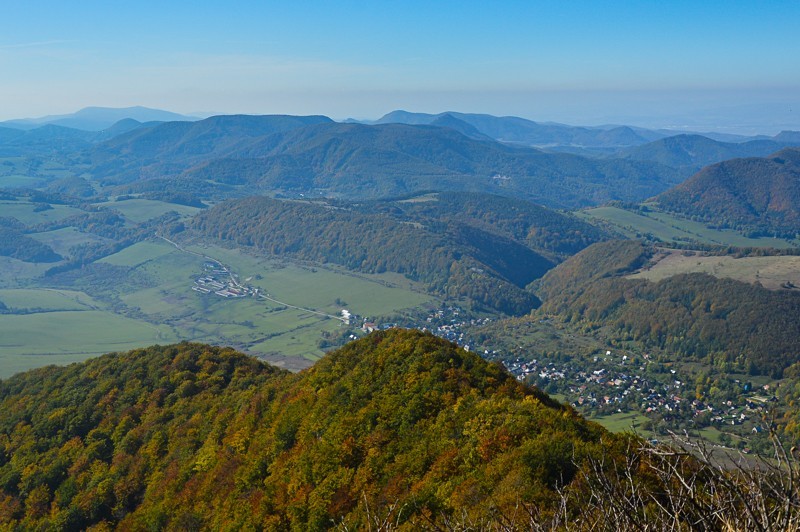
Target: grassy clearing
column 33, row 340
column 46, row 300
column 138, row 254
column 318, row 287
column 25, row 213
column 61, row 240
column 20, row 181
column 141, row 210
column 671, row 228
column 14, row 273
column 622, row 422
column 771, row 272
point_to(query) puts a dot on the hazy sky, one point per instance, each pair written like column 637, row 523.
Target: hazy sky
column 725, row 64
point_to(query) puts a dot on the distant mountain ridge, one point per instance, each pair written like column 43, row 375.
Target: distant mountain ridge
column 98, row 118
column 517, row 130
column 314, row 155
column 695, row 151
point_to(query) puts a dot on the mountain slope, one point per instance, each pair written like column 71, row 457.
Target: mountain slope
column 756, row 195
column 172, row 147
column 356, row 161
column 732, row 324
column 544, row 230
column 192, row 436
column 453, row 260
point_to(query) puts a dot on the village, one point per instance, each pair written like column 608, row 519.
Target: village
column 611, row 383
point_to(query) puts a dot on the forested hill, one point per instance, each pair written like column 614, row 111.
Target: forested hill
column 541, row 229
column 313, row 155
column 185, row 437
column 357, row 161
column 696, row 151
column 452, row 259
column 727, row 323
column 759, row 196
column 171, row 147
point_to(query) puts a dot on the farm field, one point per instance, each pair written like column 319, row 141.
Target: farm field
column 25, row 300
column 774, row 272
column 14, row 272
column 319, row 287
column 671, row 228
column 25, row 212
column 61, row 337
column 61, row 240
column 622, row 422
column 141, row 210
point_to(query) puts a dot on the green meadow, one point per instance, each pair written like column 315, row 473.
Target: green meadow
column 61, row 337
column 61, row 240
column 26, row 212
column 141, row 210
column 671, row 228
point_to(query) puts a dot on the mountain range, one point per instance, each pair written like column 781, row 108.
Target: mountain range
column 512, row 129
column 313, row 155
column 98, row 118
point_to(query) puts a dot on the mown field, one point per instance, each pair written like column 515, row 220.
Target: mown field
column 26, row 212
column 673, row 229
column 61, row 240
column 775, row 272
column 140, row 210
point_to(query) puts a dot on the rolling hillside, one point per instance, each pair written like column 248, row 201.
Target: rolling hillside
column 357, row 161
column 759, row 196
column 735, row 325
column 451, row 259
column 692, row 152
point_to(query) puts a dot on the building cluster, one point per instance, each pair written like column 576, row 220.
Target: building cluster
column 218, row 280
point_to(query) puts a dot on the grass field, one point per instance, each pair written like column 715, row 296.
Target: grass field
column 671, row 228
column 14, row 273
column 61, row 240
column 318, row 288
column 138, row 254
column 141, row 210
column 25, row 213
column 771, row 272
column 623, row 422
column 33, row 340
column 30, row 299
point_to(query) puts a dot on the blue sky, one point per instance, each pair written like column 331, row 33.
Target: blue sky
column 578, row 62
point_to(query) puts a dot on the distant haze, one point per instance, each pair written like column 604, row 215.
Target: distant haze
column 716, row 66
